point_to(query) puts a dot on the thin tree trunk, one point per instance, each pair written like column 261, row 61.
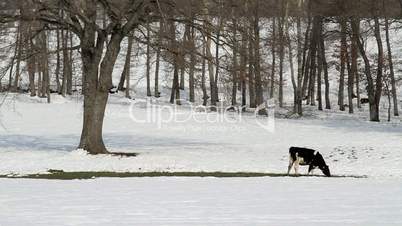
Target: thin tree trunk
column 306, row 60
column 19, row 44
column 273, row 53
column 317, row 21
column 203, row 73
column 45, row 67
column 320, row 63
column 209, row 56
column 251, row 71
column 58, row 61
column 183, row 49
column 243, row 66
column 69, row 62
column 259, row 95
column 391, row 70
column 31, row 68
column 351, row 83
column 39, row 79
column 191, row 81
column 299, row 68
column 127, row 64
column 217, row 60
column 325, row 69
column 148, row 63
column 66, row 64
column 175, row 94
column 281, row 60
column 127, row 67
column 10, row 77
column 354, row 59
column 343, row 57
column 158, row 58
column 380, row 67
column 235, row 61
column 373, row 94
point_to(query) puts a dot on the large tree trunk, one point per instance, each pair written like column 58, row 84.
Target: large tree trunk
column 391, row 70
column 96, row 89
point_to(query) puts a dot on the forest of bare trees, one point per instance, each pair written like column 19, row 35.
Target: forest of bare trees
column 332, row 54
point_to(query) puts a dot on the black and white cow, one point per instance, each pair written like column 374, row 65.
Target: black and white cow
column 307, row 157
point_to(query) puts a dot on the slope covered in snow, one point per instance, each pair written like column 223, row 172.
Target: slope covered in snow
column 36, row 137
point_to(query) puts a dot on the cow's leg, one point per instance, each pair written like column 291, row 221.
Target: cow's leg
column 310, row 170
column 297, row 164
column 291, row 162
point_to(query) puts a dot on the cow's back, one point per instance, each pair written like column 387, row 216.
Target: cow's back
column 301, row 152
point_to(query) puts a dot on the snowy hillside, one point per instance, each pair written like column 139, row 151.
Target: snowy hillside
column 37, row 137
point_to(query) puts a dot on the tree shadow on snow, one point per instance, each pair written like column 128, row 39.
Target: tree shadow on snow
column 70, row 142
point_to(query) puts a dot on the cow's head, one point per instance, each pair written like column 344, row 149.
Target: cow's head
column 320, row 163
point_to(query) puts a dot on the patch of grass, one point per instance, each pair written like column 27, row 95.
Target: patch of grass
column 61, row 175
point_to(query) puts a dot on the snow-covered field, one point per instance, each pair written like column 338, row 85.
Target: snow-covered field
column 201, row 201
column 36, row 137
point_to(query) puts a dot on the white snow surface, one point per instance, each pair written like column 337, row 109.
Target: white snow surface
column 201, row 201
column 36, row 137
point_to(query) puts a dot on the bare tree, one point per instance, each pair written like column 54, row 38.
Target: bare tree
column 391, row 69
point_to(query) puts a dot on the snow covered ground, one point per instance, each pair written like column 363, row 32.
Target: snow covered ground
column 201, row 201
column 37, row 137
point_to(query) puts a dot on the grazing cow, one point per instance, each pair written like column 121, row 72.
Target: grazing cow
column 307, row 157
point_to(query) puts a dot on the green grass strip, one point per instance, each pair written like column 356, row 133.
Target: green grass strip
column 61, row 175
